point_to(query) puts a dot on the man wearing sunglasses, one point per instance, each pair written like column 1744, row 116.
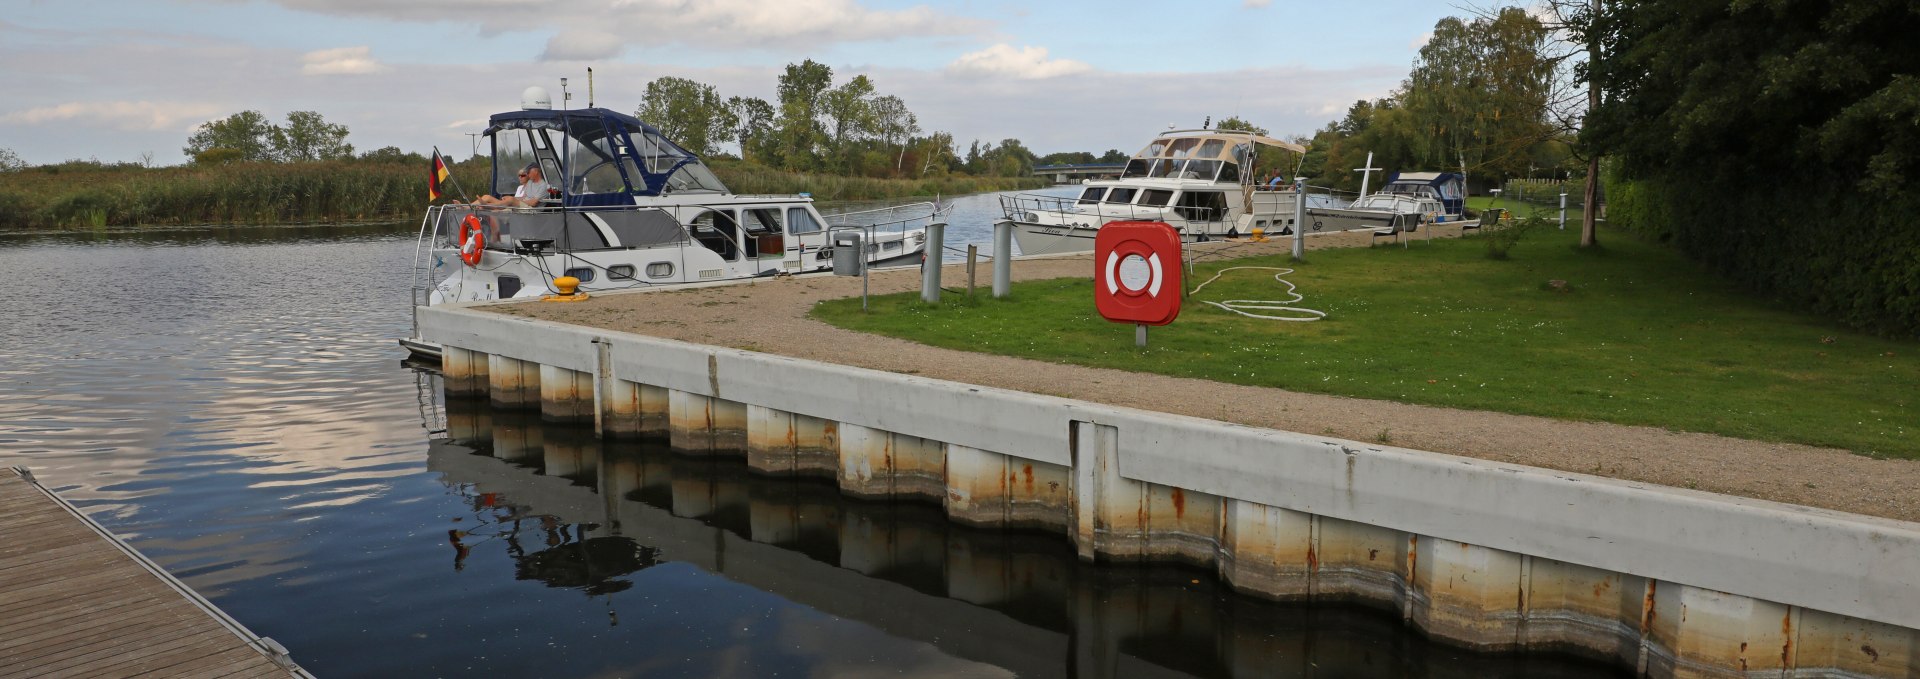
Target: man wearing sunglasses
column 533, row 187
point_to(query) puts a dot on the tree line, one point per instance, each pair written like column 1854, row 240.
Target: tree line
column 814, row 125
column 1478, row 99
column 1778, row 142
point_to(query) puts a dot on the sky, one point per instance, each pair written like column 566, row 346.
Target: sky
column 127, row 80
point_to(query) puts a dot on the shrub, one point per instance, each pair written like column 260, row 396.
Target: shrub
column 1502, row 235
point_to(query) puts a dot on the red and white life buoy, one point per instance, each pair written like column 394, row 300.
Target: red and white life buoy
column 1138, row 272
column 473, row 240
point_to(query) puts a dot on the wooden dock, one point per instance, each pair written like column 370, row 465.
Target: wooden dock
column 77, row 601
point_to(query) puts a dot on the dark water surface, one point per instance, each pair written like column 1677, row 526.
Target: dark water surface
column 232, row 401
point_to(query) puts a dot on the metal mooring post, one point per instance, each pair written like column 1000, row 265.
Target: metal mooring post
column 930, row 269
column 1563, row 211
column 1299, row 220
column 1140, row 335
column 1002, row 257
column 973, row 259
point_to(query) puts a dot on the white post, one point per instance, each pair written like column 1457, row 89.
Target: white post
column 1366, row 173
column 1002, row 257
column 930, row 269
column 1563, row 210
column 1299, row 218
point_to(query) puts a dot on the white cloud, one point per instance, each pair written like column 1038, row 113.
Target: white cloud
column 341, row 61
column 125, row 115
column 1420, row 40
column 1026, row 63
column 811, row 24
column 582, row 46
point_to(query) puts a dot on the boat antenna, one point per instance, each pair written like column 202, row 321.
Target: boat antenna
column 589, row 87
column 565, row 96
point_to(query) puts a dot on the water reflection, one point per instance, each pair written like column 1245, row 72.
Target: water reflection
column 1017, row 601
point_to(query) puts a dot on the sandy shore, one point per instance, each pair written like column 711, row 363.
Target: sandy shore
column 770, row 315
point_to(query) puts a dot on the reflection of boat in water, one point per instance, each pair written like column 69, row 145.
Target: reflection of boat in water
column 1202, row 182
column 1408, row 200
column 1018, row 600
column 626, row 208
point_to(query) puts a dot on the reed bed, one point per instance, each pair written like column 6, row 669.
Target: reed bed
column 282, row 193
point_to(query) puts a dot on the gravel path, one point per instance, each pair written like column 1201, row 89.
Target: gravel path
column 770, row 315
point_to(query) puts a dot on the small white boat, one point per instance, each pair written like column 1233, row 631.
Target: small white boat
column 1408, row 200
column 629, row 209
column 1202, row 182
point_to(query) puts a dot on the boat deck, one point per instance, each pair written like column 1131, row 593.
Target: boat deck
column 77, row 601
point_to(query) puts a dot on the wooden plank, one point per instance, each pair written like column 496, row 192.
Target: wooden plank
column 106, row 651
column 43, row 629
column 151, row 657
column 230, row 662
column 74, row 602
column 141, row 630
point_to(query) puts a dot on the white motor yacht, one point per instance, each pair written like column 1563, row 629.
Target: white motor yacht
column 1199, row 181
column 627, row 208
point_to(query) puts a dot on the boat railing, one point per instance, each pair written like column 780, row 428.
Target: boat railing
column 893, row 218
column 1029, row 208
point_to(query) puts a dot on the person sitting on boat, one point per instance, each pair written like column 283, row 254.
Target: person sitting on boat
column 533, row 187
column 1273, row 184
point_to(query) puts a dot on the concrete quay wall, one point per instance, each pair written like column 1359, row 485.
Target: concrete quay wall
column 1485, row 555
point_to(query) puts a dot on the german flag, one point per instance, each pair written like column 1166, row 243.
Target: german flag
column 438, row 175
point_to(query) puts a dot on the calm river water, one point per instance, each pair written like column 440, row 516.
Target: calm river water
column 232, row 401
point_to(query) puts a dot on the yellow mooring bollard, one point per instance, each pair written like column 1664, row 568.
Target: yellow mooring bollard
column 567, row 289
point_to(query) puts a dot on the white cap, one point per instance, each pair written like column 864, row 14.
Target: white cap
column 535, row 98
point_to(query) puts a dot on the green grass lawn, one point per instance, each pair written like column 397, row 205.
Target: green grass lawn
column 1639, row 336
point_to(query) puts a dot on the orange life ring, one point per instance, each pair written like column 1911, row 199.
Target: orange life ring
column 473, row 240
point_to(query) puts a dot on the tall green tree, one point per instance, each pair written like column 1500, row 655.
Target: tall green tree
column 798, row 135
column 1777, row 141
column 752, row 120
column 688, row 112
column 849, row 108
column 894, row 125
column 1480, row 88
column 246, row 135
column 308, row 136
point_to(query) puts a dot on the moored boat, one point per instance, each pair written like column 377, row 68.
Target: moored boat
column 1202, row 182
column 627, row 208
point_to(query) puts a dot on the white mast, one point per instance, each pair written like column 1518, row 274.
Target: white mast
column 1365, row 173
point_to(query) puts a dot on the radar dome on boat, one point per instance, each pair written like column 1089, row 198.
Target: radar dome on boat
column 535, row 98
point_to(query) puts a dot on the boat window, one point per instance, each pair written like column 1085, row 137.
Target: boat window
column 1155, row 197
column 1211, row 148
column 1120, row 195
column 1137, row 167
column 1230, row 173
column 800, row 220
column 512, row 150
column 763, row 226
column 509, row 286
column 1201, row 169
column 584, row 273
column 1182, row 148
column 695, row 176
column 660, row 269
column 594, row 166
column 1202, row 206
column 1167, row 168
column 1154, row 148
column 715, row 231
column 620, row 272
column 1092, row 195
